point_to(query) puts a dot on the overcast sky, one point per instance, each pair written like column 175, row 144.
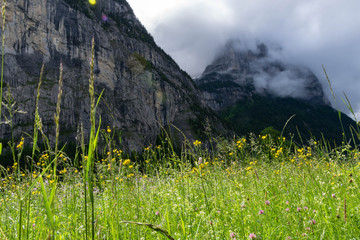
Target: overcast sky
column 309, row 32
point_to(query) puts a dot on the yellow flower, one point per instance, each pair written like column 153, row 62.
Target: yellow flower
column 126, row 162
column 21, row 144
column 108, row 128
column 197, row 143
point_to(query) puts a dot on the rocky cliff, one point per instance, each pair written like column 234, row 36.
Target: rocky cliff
column 143, row 87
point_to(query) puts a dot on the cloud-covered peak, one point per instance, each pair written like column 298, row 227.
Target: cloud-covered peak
column 256, row 65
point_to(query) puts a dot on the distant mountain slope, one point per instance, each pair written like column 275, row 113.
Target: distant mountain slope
column 143, row 87
column 252, row 91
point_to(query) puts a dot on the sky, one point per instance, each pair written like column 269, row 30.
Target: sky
column 311, row 33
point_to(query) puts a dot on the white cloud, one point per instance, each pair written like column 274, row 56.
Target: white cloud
column 310, row 32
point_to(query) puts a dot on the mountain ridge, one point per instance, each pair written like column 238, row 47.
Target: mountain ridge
column 145, row 89
column 251, row 90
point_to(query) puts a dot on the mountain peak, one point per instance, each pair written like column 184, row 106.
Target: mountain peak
column 255, row 70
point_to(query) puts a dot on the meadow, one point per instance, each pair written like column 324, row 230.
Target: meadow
column 253, row 187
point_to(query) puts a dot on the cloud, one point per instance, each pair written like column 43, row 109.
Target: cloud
column 311, row 33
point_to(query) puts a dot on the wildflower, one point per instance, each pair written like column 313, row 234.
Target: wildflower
column 200, row 160
column 298, row 209
column 333, row 195
column 287, row 202
column 92, row 2
column 261, row 212
column 197, row 143
column 126, row 162
column 267, row 202
column 21, row 144
column 157, row 213
column 287, row 209
column 232, row 235
column 252, row 236
column 306, row 208
column 314, row 211
column 104, row 17
column 243, row 206
column 313, row 221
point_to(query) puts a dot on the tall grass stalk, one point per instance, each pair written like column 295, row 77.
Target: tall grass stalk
column 57, row 117
column 93, row 139
column 3, row 12
column 37, row 126
column 338, row 110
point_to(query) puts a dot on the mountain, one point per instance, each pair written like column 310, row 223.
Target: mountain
column 144, row 88
column 252, row 90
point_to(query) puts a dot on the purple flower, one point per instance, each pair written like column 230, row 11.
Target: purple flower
column 252, row 236
column 313, row 221
column 288, row 238
column 298, row 209
column 333, row 195
column 287, row 209
column 287, row 202
column 232, row 235
column 33, row 225
column 104, row 17
column 267, row 202
column 314, row 211
column 157, row 213
column 306, row 208
column 261, row 212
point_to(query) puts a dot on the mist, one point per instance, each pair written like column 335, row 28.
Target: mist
column 311, row 33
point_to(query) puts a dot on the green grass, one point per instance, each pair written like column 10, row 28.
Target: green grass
column 300, row 191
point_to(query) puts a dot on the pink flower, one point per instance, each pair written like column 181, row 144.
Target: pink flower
column 287, row 202
column 261, row 212
column 232, row 235
column 157, row 213
column 298, row 209
column 314, row 211
column 287, row 209
column 267, row 202
column 333, row 195
column 104, row 17
column 306, row 208
column 252, row 236
column 313, row 221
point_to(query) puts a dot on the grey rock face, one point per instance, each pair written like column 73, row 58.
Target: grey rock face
column 143, row 87
column 238, row 73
